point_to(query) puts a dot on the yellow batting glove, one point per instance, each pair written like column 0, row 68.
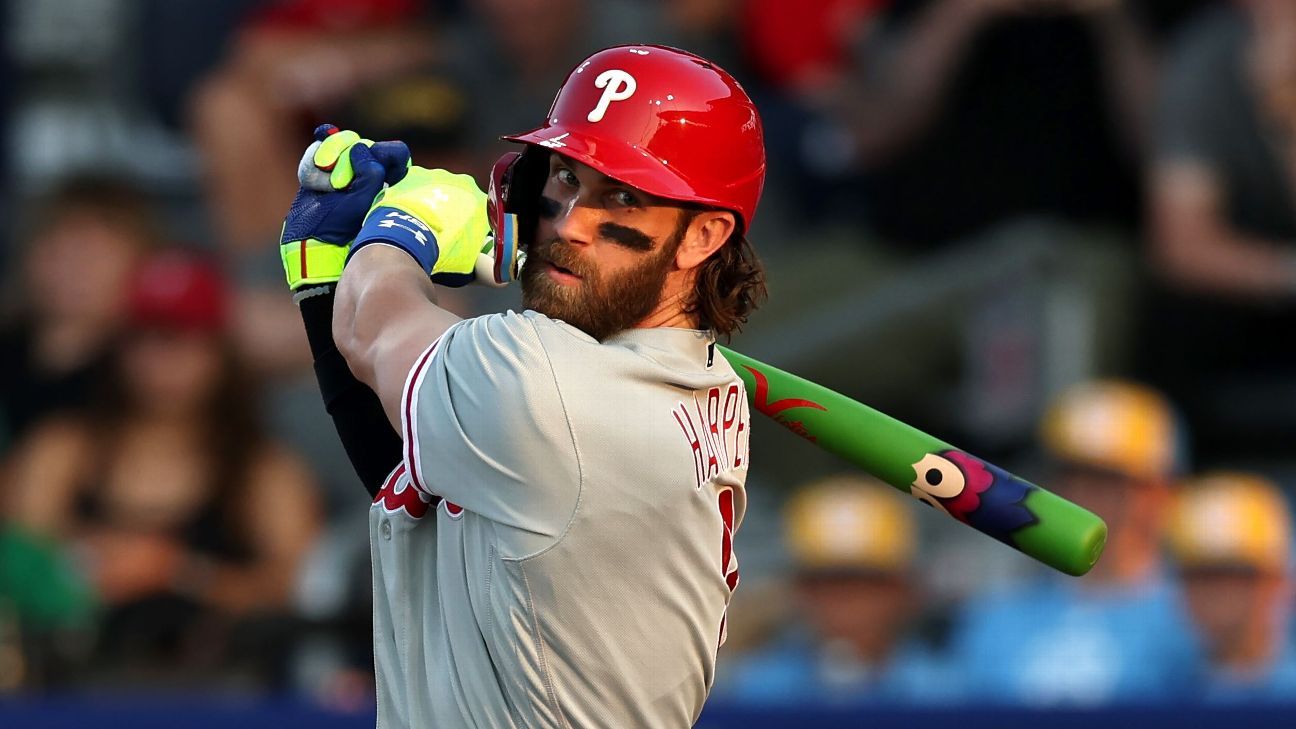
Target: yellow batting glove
column 436, row 216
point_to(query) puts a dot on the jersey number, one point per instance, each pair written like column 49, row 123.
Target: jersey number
column 728, row 565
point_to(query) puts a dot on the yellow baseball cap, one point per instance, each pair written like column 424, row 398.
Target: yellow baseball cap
column 850, row 523
column 1230, row 519
column 1113, row 424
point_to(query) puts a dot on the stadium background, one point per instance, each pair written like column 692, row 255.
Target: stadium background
column 974, row 207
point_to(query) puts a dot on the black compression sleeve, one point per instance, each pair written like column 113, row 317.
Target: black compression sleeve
column 371, row 444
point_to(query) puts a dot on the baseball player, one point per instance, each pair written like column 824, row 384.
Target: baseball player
column 552, row 529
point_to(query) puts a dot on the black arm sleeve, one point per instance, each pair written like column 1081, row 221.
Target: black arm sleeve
column 371, row 444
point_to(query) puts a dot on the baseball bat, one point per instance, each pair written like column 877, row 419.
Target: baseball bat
column 1018, row 513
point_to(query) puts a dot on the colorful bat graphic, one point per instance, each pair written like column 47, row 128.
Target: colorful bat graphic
column 981, row 495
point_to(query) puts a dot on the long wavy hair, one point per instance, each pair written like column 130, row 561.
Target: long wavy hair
column 730, row 284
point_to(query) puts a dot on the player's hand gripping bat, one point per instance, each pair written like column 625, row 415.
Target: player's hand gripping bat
column 981, row 495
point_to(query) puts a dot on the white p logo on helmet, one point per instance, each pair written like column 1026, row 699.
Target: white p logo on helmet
column 617, row 85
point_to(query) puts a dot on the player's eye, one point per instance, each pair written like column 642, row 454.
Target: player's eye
column 566, row 177
column 625, row 198
column 939, row 476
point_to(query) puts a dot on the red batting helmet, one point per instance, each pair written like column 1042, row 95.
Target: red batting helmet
column 656, row 118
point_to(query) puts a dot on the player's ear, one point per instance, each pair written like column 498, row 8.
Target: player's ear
column 706, row 232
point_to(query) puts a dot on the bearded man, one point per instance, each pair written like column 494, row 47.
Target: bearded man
column 555, row 490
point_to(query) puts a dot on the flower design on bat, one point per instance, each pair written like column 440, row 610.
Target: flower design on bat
column 974, row 492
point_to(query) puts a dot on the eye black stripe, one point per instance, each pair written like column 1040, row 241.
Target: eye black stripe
column 625, row 236
column 548, row 208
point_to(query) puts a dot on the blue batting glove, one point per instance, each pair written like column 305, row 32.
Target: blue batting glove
column 340, row 176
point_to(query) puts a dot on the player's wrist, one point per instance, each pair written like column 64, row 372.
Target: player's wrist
column 396, row 228
column 311, row 262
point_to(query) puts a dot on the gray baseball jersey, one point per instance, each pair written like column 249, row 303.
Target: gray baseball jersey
column 556, row 548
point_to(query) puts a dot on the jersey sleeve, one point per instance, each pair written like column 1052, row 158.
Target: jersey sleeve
column 484, row 425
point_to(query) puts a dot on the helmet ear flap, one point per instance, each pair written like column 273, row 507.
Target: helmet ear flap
column 516, row 181
column 512, row 199
column 526, row 183
column 503, row 221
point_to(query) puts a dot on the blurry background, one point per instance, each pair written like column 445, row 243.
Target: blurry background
column 1060, row 234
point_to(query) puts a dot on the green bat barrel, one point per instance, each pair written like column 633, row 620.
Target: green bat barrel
column 1020, row 514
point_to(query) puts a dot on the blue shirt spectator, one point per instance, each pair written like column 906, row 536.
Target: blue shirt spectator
column 1275, row 684
column 1064, row 642
column 800, row 670
column 1230, row 537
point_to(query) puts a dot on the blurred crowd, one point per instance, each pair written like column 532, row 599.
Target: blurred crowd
column 1058, row 233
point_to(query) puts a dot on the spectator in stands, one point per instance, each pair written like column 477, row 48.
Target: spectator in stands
column 189, row 523
column 1004, row 134
column 1230, row 535
column 293, row 62
column 965, row 113
column 1117, row 633
column 84, row 242
column 855, row 638
column 1223, row 225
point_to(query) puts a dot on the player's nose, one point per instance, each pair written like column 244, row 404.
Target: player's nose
column 576, row 223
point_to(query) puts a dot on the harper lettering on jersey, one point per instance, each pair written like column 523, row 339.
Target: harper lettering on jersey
column 716, row 428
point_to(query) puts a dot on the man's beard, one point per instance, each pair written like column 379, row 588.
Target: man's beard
column 599, row 305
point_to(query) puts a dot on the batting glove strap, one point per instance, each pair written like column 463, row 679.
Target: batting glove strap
column 311, row 262
column 402, row 230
